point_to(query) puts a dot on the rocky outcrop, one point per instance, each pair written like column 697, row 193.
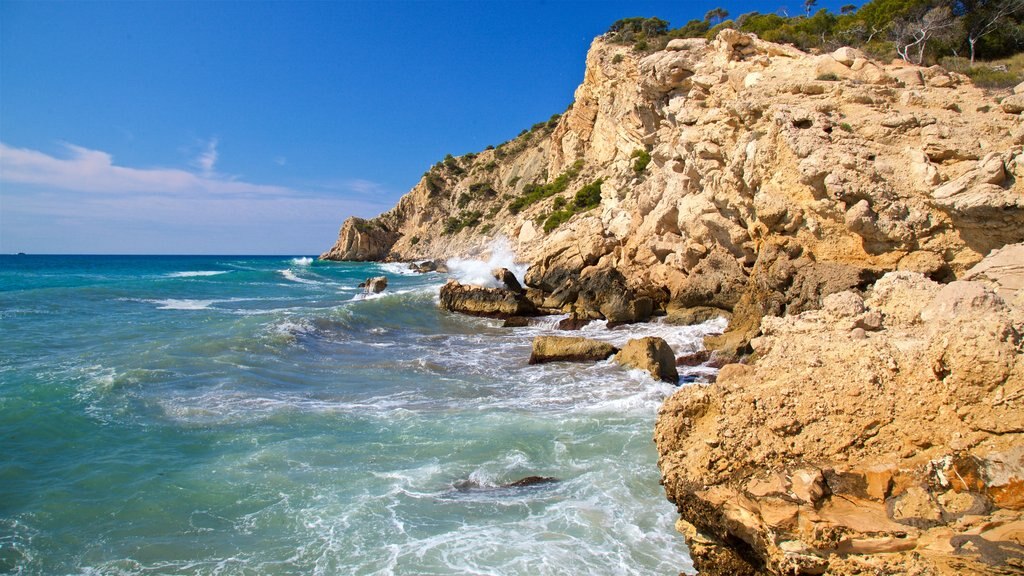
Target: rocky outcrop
column 873, row 428
column 569, row 349
column 652, row 355
column 479, row 301
column 879, row 435
column 374, row 285
column 362, row 240
column 776, row 178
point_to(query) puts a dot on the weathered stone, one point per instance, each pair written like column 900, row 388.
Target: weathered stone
column 847, row 56
column 362, row 240
column 375, row 285
column 506, row 277
column 569, row 349
column 477, row 301
column 1013, row 104
column 651, row 354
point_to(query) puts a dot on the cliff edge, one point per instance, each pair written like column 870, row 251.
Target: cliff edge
column 835, row 207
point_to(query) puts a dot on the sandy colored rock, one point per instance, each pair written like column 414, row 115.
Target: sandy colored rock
column 651, row 354
column 894, row 449
column 569, row 349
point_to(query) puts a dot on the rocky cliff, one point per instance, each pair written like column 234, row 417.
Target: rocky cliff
column 764, row 183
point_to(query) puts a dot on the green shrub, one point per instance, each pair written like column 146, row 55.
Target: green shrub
column 617, row 58
column 464, row 200
column 586, row 198
column 559, row 203
column 482, row 189
column 435, row 184
column 533, row 193
column 465, row 219
column 556, row 219
column 988, row 77
column 828, row 77
column 642, row 159
column 414, row 240
column 486, row 228
column 589, row 196
column 492, row 165
column 845, row 127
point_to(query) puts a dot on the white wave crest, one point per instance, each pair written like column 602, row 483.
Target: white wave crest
column 182, row 304
column 289, row 275
column 197, row 273
column 479, row 272
column 302, row 261
column 400, row 268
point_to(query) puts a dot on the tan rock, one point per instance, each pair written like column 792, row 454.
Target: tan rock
column 847, row 56
column 908, row 76
column 569, row 349
column 651, row 354
column 1002, row 270
column 1013, row 104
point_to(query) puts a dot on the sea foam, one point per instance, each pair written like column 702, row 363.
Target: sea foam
column 479, row 272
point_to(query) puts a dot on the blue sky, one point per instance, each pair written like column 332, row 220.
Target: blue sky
column 257, row 127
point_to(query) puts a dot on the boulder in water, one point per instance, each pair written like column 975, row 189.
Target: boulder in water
column 569, row 349
column 651, row 354
column 479, row 301
column 375, row 285
column 506, row 277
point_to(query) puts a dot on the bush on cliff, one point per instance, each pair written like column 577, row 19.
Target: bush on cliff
column 533, row 193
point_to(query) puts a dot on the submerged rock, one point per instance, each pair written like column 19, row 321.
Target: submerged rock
column 478, row 301
column 569, row 348
column 651, row 354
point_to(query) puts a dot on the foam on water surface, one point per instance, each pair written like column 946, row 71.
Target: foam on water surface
column 292, row 430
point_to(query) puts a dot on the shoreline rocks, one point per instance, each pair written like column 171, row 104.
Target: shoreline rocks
column 478, row 301
column 569, row 349
column 844, row 451
column 651, row 354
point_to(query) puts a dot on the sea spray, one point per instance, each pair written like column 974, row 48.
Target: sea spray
column 286, row 429
column 480, row 272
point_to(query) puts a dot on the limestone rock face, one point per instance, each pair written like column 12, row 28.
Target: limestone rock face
column 361, row 240
column 651, row 354
column 822, row 215
column 846, row 450
column 478, row 301
column 570, row 349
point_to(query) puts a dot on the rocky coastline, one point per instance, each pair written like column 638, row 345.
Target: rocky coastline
column 860, row 223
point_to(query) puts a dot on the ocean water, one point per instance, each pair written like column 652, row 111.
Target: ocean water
column 258, row 415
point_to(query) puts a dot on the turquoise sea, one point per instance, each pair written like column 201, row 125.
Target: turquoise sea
column 259, row 415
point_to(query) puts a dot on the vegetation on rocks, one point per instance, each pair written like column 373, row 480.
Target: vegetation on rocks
column 918, row 31
column 533, row 193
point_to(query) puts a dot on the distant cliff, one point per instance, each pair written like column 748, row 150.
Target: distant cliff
column 735, row 175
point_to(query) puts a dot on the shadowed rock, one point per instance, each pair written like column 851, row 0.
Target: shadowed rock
column 478, row 301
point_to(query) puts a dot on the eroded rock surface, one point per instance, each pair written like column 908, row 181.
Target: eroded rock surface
column 479, row 301
column 569, row 349
column 880, row 435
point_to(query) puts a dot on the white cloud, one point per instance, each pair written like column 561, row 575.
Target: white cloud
column 178, row 210
column 86, row 170
column 208, row 158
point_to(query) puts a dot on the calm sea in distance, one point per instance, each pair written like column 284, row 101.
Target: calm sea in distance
column 260, row 415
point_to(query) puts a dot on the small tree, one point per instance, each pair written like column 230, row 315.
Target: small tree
column 809, row 6
column 981, row 18
column 847, row 9
column 716, row 15
column 911, row 34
